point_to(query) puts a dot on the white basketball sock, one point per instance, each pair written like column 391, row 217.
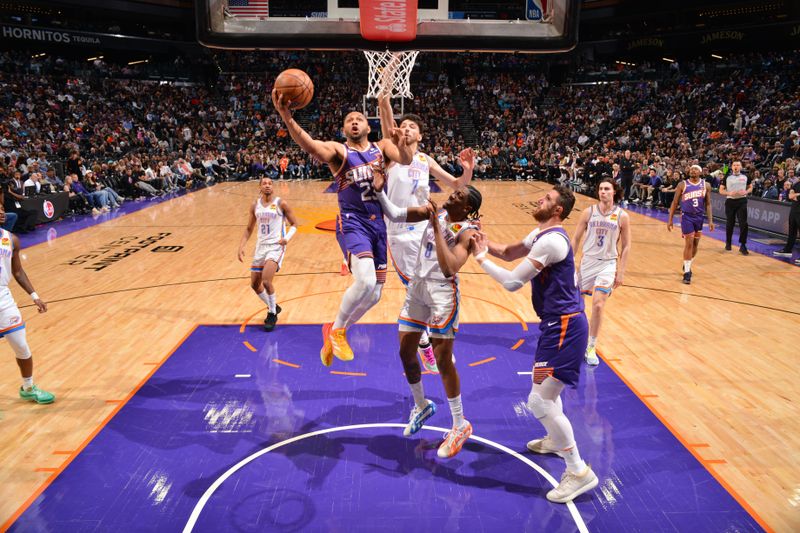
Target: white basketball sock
column 457, row 410
column 27, row 383
column 592, row 341
column 558, row 425
column 271, row 302
column 264, row 297
column 687, row 265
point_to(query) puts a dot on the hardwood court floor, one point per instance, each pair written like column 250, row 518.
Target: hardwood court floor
column 715, row 360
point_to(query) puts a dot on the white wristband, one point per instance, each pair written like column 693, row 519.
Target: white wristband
column 481, row 255
column 290, row 234
column 34, row 296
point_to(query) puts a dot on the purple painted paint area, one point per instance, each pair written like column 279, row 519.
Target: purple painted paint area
column 719, row 234
column 193, row 420
column 67, row 225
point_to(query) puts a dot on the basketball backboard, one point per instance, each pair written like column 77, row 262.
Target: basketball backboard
column 534, row 26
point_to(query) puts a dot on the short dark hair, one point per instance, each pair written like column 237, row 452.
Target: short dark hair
column 566, row 199
column 416, row 119
column 614, row 185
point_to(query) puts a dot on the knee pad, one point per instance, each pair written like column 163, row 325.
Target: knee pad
column 539, row 406
column 19, row 344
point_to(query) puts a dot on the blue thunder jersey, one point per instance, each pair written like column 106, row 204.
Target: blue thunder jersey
column 355, row 181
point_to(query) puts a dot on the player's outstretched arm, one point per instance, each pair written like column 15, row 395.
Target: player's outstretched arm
column 674, row 205
column 625, row 244
column 396, row 148
column 709, row 212
column 403, row 214
column 387, row 115
column 580, row 230
column 323, row 151
column 289, row 214
column 511, row 280
column 22, row 278
column 507, row 252
column 467, row 157
column 248, row 230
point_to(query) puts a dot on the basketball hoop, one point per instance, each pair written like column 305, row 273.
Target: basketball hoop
column 390, row 72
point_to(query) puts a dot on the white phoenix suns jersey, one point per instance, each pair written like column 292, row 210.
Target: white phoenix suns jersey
column 6, row 251
column 602, row 233
column 427, row 263
column 271, row 221
column 408, row 186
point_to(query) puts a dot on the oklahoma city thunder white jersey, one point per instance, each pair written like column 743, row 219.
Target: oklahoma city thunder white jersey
column 271, row 222
column 602, row 233
column 6, row 251
column 408, row 186
column 427, row 263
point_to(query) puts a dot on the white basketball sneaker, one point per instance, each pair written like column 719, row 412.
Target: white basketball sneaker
column 573, row 485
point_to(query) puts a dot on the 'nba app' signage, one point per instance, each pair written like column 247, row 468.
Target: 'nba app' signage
column 46, row 35
column 761, row 214
column 114, row 251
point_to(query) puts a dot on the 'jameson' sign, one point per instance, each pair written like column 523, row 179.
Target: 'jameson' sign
column 46, row 35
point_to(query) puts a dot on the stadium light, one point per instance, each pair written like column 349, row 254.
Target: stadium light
column 94, row 58
column 715, row 56
column 140, row 61
column 38, row 55
column 668, row 60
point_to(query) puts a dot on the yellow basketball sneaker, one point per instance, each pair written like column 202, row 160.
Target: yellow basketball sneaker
column 326, row 353
column 341, row 349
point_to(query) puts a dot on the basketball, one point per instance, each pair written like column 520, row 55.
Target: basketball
column 296, row 87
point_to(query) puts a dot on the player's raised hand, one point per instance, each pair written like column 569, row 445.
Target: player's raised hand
column 398, row 138
column 480, row 243
column 467, row 158
column 281, row 105
column 433, row 213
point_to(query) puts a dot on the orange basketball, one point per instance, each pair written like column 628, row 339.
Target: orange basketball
column 296, row 87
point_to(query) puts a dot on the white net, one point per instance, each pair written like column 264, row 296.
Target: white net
column 390, row 72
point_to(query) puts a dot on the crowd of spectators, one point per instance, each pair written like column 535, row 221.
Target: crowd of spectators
column 105, row 132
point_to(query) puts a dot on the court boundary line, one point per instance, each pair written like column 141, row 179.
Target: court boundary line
column 689, row 447
column 209, row 492
column 120, row 404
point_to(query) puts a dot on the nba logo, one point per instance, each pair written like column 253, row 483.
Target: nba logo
column 48, row 209
column 533, row 9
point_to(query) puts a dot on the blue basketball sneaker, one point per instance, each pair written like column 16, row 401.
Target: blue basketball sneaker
column 418, row 417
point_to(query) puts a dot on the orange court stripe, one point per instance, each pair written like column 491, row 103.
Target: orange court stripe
column 518, row 344
column 55, row 474
column 338, row 373
column 285, row 363
column 745, row 505
column 46, row 470
column 483, row 361
column 249, row 346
